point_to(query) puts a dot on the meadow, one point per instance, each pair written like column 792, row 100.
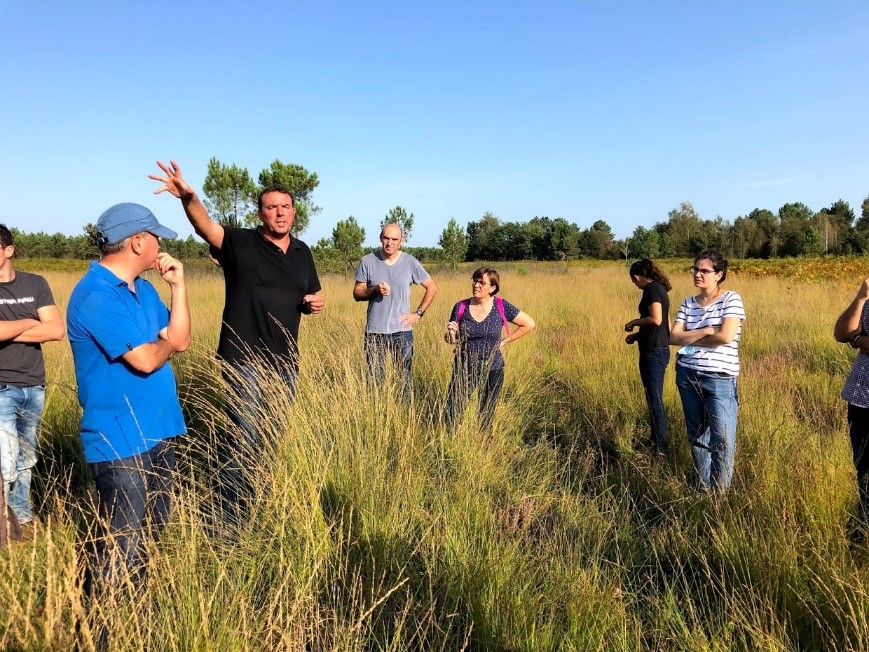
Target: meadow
column 376, row 528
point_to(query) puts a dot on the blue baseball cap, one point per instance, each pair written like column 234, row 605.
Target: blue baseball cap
column 123, row 220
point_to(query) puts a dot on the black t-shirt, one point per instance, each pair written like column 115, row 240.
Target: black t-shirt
column 653, row 337
column 21, row 364
column 264, row 292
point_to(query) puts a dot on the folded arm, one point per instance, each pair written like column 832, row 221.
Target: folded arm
column 49, row 327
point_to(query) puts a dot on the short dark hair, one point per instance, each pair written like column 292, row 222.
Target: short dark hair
column 719, row 262
column 5, row 236
column 274, row 188
column 491, row 275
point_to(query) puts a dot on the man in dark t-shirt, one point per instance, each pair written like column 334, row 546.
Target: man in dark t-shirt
column 271, row 281
column 28, row 317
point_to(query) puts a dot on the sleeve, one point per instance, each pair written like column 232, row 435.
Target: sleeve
column 510, row 311
column 44, row 297
column 682, row 313
column 362, row 275
column 455, row 311
column 657, row 293
column 313, row 279
column 112, row 327
column 733, row 307
column 226, row 254
column 418, row 273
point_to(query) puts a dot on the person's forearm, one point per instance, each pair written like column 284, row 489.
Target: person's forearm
column 148, row 358
column 10, row 330
column 196, row 214
column 682, row 338
column 364, row 293
column 428, row 297
column 718, row 339
column 848, row 324
column 178, row 329
column 42, row 332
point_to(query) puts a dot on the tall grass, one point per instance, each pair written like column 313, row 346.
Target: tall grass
column 377, row 528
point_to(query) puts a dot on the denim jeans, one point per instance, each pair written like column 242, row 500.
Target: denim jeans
column 134, row 502
column 653, row 366
column 238, row 451
column 20, row 412
column 710, row 402
column 468, row 375
column 397, row 347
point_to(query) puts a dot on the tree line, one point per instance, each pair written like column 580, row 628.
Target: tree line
column 230, row 194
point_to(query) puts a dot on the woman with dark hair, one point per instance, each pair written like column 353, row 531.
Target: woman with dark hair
column 476, row 325
column 653, row 341
column 708, row 327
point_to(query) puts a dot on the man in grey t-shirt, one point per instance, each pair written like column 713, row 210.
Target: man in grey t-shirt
column 28, row 317
column 383, row 279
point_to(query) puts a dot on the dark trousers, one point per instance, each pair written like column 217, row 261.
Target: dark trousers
column 468, row 375
column 134, row 503
column 239, row 450
column 858, row 426
column 380, row 348
column 653, row 367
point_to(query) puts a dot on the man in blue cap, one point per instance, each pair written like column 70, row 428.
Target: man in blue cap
column 122, row 338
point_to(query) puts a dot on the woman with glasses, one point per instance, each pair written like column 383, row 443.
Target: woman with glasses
column 707, row 328
column 653, row 342
column 479, row 327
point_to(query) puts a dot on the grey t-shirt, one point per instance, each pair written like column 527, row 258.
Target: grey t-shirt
column 383, row 312
column 21, row 364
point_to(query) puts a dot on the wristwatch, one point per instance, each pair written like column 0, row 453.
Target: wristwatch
column 420, row 313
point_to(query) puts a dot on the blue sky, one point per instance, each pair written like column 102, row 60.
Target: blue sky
column 583, row 110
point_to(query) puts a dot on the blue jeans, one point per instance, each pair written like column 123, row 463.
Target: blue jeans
column 238, row 451
column 397, row 347
column 134, row 502
column 653, row 366
column 468, row 375
column 710, row 402
column 20, row 412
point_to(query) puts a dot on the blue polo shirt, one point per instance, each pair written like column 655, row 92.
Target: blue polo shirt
column 125, row 412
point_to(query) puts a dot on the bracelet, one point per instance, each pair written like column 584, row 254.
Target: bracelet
column 853, row 343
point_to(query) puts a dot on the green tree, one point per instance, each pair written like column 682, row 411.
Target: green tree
column 347, row 238
column 300, row 182
column 597, row 241
column 481, row 237
column 229, row 193
column 644, row 243
column 400, row 216
column 454, row 243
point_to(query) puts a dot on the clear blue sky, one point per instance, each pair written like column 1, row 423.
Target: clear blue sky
column 583, row 110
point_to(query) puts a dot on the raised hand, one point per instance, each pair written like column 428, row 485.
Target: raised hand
column 172, row 181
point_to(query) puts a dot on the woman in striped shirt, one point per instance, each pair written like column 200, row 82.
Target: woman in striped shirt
column 707, row 328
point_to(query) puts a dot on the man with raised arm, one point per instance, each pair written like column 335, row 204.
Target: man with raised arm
column 28, row 317
column 383, row 279
column 122, row 337
column 270, row 281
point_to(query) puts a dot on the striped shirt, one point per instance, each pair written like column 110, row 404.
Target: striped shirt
column 856, row 390
column 722, row 359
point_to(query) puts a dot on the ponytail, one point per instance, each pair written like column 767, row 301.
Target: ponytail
column 647, row 268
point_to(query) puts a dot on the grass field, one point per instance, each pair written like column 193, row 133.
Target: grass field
column 376, row 528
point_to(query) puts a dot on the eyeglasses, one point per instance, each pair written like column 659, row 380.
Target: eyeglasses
column 479, row 281
column 695, row 270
